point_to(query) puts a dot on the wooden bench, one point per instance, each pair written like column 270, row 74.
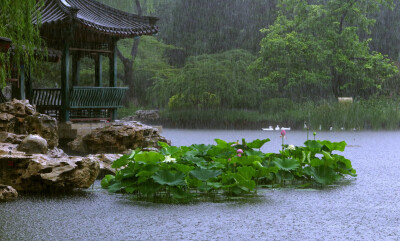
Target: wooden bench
column 85, row 103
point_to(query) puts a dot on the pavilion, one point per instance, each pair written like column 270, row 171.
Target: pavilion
column 78, row 28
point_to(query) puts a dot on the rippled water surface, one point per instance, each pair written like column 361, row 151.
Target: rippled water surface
column 367, row 208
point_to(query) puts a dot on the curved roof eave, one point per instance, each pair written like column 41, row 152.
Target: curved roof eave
column 98, row 17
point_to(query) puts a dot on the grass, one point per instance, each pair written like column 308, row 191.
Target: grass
column 372, row 114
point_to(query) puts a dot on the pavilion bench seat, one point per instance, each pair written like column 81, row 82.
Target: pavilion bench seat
column 85, row 103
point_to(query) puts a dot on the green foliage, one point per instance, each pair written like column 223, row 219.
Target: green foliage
column 179, row 174
column 210, row 81
column 17, row 23
column 314, row 48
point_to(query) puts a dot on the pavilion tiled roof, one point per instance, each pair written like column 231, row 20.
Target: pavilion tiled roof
column 96, row 16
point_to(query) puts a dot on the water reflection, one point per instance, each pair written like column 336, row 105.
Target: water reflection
column 365, row 208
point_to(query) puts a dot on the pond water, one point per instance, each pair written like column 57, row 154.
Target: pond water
column 366, row 208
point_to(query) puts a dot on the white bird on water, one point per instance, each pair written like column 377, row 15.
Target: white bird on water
column 268, row 129
column 277, row 128
column 285, row 128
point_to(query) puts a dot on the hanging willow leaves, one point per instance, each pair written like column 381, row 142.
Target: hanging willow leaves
column 20, row 22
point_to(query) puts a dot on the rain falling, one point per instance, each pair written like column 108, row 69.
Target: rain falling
column 199, row 119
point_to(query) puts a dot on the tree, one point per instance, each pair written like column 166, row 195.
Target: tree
column 17, row 22
column 215, row 26
column 211, row 81
column 315, row 49
column 129, row 60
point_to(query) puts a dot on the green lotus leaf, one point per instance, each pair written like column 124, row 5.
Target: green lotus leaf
column 147, row 170
column 130, row 189
column 215, row 185
column 244, row 183
column 194, row 182
column 248, row 172
column 274, row 169
column 246, row 160
column 169, row 150
column 314, row 146
column 150, row 157
column 124, row 173
column 198, row 161
column 342, row 159
column 201, row 148
column 167, row 177
column 146, row 173
column 149, row 188
column 215, row 165
column 254, row 153
column 221, row 143
column 106, row 181
column 327, row 155
column 317, row 162
column 115, row 187
column 181, row 195
column 324, row 175
column 257, row 143
column 287, row 176
column 183, row 168
column 122, row 161
column 205, row 174
column 204, row 187
column 286, row 164
column 334, row 146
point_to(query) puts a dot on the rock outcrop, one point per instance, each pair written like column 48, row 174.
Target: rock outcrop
column 105, row 161
column 33, row 144
column 144, row 115
column 7, row 193
column 52, row 172
column 118, row 137
column 19, row 117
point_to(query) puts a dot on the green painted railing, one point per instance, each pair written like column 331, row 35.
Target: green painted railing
column 46, row 97
column 96, row 97
column 84, row 102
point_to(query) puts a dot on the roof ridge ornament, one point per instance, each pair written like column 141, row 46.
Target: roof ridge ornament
column 66, row 3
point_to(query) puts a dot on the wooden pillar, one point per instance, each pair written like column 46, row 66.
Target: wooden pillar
column 76, row 68
column 18, row 85
column 98, row 70
column 22, row 83
column 113, row 73
column 113, row 65
column 65, row 113
column 28, row 85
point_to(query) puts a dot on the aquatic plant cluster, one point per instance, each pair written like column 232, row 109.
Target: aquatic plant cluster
column 226, row 168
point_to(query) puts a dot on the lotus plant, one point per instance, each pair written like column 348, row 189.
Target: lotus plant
column 179, row 174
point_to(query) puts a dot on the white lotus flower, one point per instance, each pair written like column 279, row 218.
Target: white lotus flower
column 291, row 147
column 169, row 159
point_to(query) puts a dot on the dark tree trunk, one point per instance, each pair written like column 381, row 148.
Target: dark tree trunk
column 128, row 77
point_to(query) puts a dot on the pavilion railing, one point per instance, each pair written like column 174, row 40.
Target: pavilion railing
column 96, row 97
column 89, row 103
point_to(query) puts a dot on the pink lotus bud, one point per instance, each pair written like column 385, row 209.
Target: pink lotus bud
column 239, row 151
column 229, row 159
column 239, row 155
column 283, row 133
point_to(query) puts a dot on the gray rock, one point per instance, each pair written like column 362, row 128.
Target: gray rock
column 19, row 117
column 6, row 137
column 105, row 161
column 147, row 115
column 7, row 193
column 33, row 144
column 118, row 137
column 38, row 172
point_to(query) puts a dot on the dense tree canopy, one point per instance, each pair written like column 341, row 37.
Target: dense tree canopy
column 316, row 47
